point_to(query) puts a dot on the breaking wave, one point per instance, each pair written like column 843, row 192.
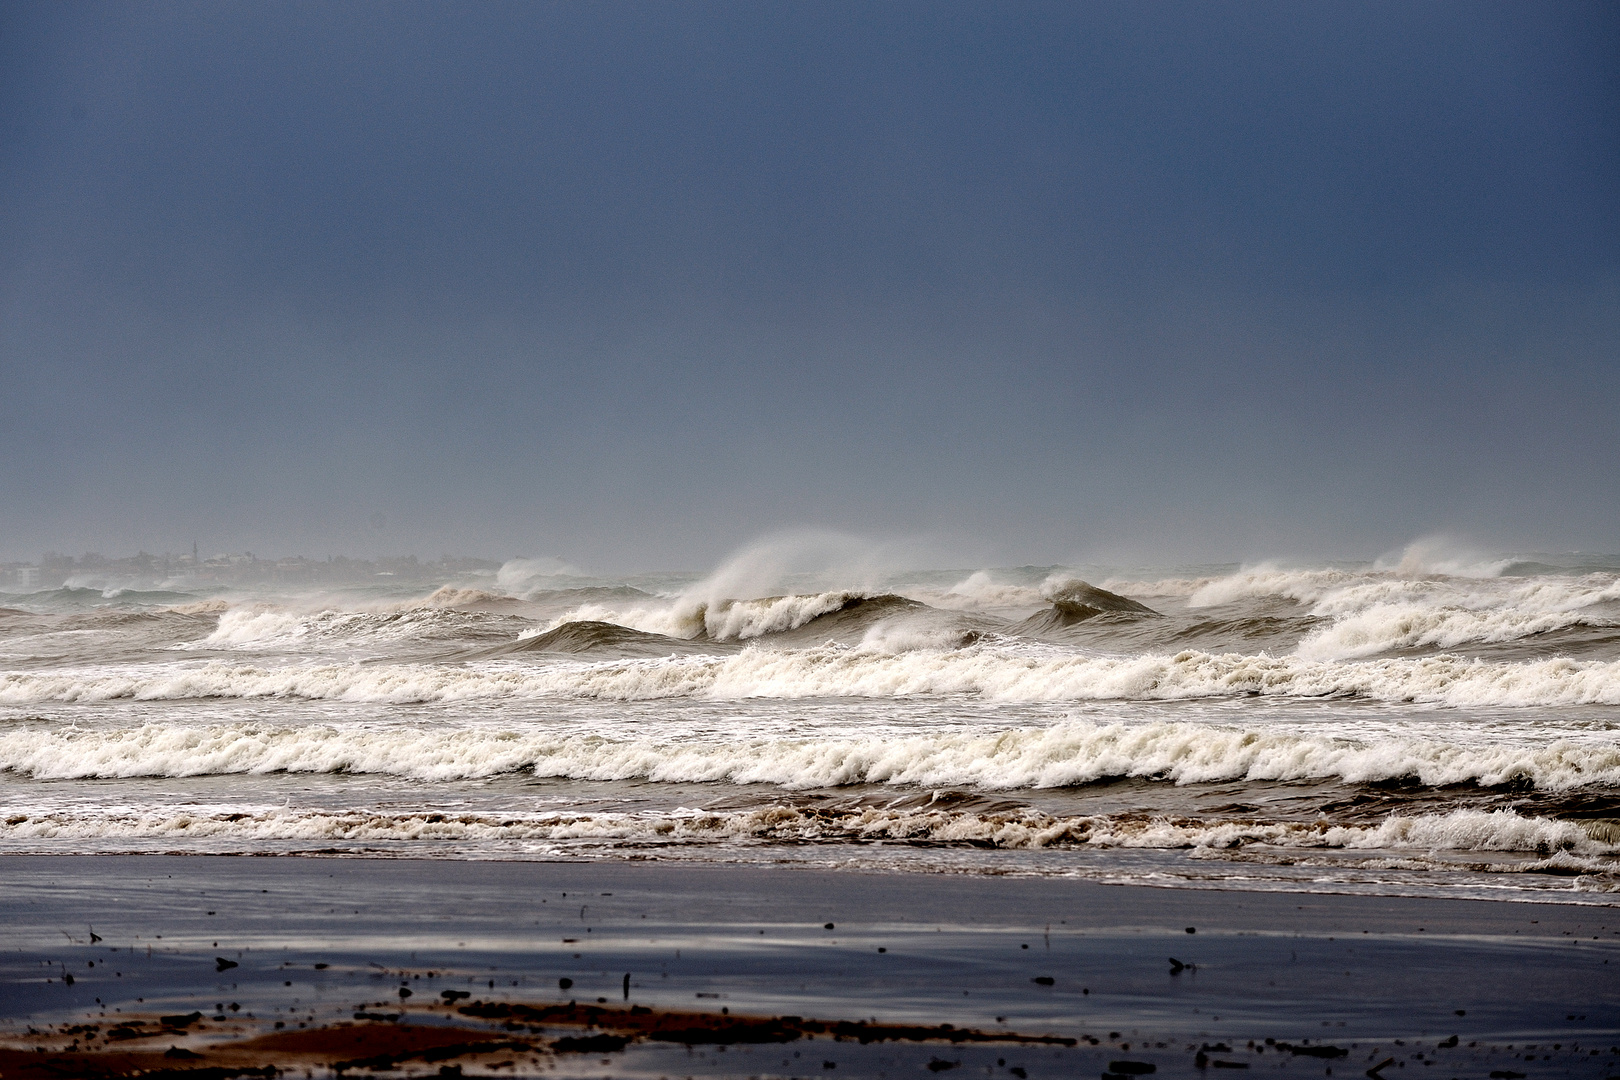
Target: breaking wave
column 253, row 627
column 1500, row 831
column 1369, row 618
column 1435, row 711
column 737, row 620
column 1321, row 615
column 1363, row 613
column 997, row 671
column 77, row 596
column 1063, row 755
column 1077, row 602
column 597, row 637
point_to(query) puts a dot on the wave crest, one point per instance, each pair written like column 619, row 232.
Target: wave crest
column 1063, row 755
column 997, row 672
column 1499, row 831
column 734, row 620
column 266, row 628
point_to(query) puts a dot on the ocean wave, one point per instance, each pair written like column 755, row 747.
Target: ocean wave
column 75, row 596
column 542, row 603
column 1371, row 617
column 599, row 638
column 1386, row 627
column 1076, row 602
column 109, row 619
column 1339, row 592
column 1067, row 754
column 1470, row 831
column 1367, row 612
column 733, row 620
column 456, row 596
column 201, row 607
column 999, row 671
column 1303, row 586
column 1346, row 615
column 262, row 627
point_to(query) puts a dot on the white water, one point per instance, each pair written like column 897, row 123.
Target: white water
column 1062, row 755
column 1011, row 673
column 1425, row 715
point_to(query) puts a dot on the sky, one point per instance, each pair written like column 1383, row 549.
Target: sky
column 632, row 284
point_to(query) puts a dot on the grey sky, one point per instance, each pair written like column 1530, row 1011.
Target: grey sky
column 633, row 283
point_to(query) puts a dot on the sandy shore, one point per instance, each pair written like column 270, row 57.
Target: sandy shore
column 308, row 964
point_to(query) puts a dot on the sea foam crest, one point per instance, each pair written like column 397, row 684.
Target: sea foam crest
column 718, row 620
column 1460, row 831
column 1368, row 618
column 1064, row 754
column 255, row 627
column 1368, row 612
column 995, row 671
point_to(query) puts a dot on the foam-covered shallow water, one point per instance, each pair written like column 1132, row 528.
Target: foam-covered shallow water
column 1421, row 727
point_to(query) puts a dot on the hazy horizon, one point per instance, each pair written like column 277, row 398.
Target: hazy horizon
column 636, row 285
column 828, row 550
column 783, row 563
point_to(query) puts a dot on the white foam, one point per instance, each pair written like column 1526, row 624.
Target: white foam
column 449, row 596
column 999, row 671
column 1460, row 831
column 1421, row 562
column 719, row 620
column 774, row 584
column 1368, row 612
column 1062, row 755
column 1267, row 580
column 263, row 627
column 201, row 607
column 908, row 634
column 256, row 626
column 983, row 591
column 1384, row 627
column 1469, row 830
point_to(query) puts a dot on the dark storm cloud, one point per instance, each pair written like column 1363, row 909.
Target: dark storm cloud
column 631, row 282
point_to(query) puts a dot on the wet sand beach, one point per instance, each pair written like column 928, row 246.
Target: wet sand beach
column 419, row 967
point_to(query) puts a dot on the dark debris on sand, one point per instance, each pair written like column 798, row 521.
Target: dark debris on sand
column 707, row 1028
column 466, row 1038
column 380, row 1042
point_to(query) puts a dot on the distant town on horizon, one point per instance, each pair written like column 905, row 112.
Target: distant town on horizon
column 54, row 570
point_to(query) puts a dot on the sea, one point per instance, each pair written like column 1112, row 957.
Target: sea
column 1428, row 724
